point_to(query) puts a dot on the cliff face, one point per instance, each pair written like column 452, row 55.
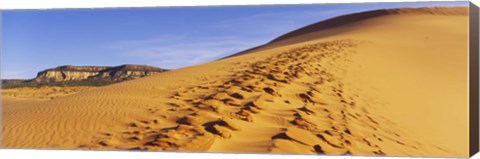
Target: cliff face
column 78, row 73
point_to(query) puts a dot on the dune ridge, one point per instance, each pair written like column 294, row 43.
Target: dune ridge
column 346, row 93
column 352, row 18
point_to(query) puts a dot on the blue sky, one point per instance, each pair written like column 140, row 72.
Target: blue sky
column 168, row 37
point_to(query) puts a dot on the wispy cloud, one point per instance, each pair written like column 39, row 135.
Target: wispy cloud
column 230, row 36
column 145, row 42
column 275, row 23
column 180, row 52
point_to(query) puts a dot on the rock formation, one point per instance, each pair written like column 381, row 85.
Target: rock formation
column 118, row 73
column 85, row 75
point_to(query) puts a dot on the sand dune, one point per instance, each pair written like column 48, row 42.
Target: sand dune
column 327, row 28
column 393, row 84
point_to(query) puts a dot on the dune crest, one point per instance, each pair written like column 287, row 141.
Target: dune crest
column 352, row 18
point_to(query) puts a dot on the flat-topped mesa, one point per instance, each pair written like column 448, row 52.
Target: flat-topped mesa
column 77, row 73
column 78, row 68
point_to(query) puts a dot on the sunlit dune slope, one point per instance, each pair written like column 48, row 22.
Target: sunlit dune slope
column 318, row 29
column 391, row 84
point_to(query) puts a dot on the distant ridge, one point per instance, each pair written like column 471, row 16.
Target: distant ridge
column 104, row 68
column 85, row 75
column 356, row 17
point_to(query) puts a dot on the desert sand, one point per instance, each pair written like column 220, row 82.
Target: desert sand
column 45, row 92
column 391, row 84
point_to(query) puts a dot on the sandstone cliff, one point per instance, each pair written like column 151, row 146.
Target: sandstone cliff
column 85, row 75
column 118, row 73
